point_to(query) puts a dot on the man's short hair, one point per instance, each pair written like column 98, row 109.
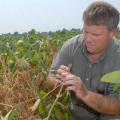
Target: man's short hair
column 101, row 13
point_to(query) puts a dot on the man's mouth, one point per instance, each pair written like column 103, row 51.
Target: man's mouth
column 89, row 47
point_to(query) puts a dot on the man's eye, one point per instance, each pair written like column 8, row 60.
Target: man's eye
column 85, row 32
column 96, row 34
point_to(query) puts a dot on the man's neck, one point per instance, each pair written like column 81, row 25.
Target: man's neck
column 94, row 57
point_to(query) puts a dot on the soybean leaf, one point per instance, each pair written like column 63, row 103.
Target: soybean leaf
column 112, row 77
column 116, row 87
column 42, row 110
column 12, row 115
column 67, row 116
column 42, row 93
column 57, row 113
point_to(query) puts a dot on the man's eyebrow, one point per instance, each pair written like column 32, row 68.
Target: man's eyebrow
column 92, row 32
column 97, row 34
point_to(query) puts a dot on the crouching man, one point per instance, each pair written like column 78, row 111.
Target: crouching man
column 92, row 55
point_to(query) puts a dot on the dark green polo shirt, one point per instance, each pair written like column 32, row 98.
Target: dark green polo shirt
column 74, row 52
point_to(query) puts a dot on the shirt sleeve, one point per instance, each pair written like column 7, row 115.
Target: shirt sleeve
column 63, row 57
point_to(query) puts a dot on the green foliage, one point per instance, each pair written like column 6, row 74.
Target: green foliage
column 112, row 77
column 42, row 110
column 61, row 108
column 34, row 52
column 13, row 115
column 118, row 35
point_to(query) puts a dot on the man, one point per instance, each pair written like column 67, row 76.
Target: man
column 92, row 55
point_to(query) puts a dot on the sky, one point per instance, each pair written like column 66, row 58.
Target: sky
column 43, row 15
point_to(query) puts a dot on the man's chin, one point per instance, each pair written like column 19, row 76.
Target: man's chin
column 90, row 50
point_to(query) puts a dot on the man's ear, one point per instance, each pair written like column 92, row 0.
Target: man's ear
column 113, row 32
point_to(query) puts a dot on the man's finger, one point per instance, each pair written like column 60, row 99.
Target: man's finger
column 58, row 76
column 68, row 76
column 65, row 68
column 65, row 74
column 70, row 88
column 69, row 83
column 60, row 71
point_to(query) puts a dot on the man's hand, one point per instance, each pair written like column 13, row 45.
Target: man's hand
column 62, row 69
column 101, row 103
column 72, row 82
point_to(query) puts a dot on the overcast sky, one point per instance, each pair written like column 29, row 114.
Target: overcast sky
column 43, row 15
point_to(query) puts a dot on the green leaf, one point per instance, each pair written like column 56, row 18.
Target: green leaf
column 57, row 113
column 12, row 115
column 116, row 87
column 112, row 77
column 42, row 93
column 13, row 67
column 34, row 61
column 0, row 65
column 42, row 110
column 20, row 43
column 67, row 116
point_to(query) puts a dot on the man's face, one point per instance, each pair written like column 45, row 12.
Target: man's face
column 97, row 38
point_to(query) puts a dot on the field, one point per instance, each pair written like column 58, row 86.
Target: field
column 25, row 61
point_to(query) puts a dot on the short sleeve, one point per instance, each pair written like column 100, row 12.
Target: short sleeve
column 63, row 57
column 66, row 54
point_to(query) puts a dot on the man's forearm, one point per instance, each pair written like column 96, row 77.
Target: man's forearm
column 51, row 82
column 103, row 104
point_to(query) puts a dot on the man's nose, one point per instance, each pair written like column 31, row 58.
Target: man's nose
column 89, row 37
